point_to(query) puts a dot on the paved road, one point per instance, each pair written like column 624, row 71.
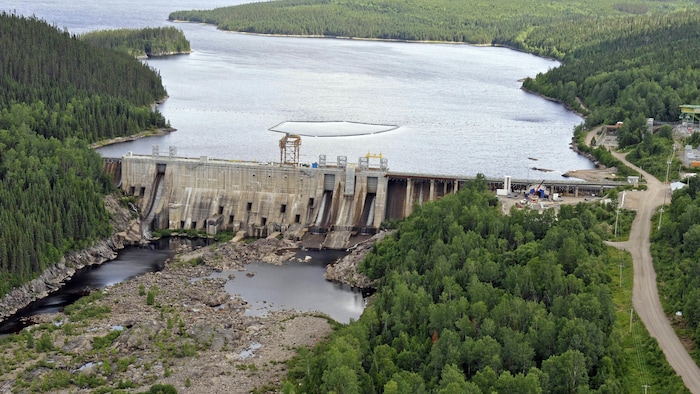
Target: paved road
column 645, row 296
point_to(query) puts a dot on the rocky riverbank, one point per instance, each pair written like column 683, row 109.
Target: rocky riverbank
column 346, row 270
column 177, row 326
column 126, row 232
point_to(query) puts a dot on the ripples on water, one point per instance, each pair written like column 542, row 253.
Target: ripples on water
column 459, row 108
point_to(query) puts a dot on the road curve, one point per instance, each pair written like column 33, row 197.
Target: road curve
column 645, row 296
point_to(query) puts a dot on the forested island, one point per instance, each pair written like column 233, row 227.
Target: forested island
column 141, row 43
column 57, row 95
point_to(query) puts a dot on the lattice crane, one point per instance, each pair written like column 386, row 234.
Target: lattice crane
column 289, row 149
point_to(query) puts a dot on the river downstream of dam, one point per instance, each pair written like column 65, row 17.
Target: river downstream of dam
column 459, row 109
column 296, row 285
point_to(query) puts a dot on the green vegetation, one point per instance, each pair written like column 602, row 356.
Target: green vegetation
column 151, row 296
column 48, row 358
column 57, row 94
column 147, row 42
column 86, row 308
column 522, row 24
column 624, row 61
column 655, row 154
column 640, row 68
column 472, row 301
column 675, row 250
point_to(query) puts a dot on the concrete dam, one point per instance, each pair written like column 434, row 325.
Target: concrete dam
column 330, row 205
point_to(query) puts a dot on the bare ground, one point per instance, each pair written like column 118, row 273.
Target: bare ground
column 645, row 295
column 194, row 336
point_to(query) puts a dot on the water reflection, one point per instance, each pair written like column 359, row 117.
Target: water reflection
column 132, row 261
column 296, row 285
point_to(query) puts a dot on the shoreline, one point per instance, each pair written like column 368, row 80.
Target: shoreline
column 134, row 137
column 366, row 39
column 56, row 275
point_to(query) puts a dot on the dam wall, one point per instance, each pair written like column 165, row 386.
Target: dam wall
column 326, row 205
column 335, row 201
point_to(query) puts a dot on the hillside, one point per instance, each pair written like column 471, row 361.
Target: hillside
column 624, row 61
column 57, row 94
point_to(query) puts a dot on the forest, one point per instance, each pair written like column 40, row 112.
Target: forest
column 470, row 300
column 619, row 61
column 57, row 95
column 141, row 43
column 676, row 252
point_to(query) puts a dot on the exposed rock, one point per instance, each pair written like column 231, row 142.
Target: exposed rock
column 56, row 275
column 78, row 345
column 230, row 255
column 178, row 339
column 138, row 337
column 346, row 269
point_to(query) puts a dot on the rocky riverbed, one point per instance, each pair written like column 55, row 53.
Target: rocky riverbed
column 176, row 326
column 126, row 232
column 346, row 270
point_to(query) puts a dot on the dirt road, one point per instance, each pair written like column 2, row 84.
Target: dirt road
column 645, row 296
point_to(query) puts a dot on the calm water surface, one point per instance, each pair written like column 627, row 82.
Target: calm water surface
column 296, row 285
column 460, row 111
column 131, row 262
column 460, row 108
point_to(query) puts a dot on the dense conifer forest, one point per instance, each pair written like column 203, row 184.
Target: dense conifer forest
column 676, row 252
column 473, row 301
column 57, row 94
column 147, row 42
column 624, row 61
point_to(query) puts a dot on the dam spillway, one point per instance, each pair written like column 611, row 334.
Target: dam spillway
column 326, row 204
column 335, row 201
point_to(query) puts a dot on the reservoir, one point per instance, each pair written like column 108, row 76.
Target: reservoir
column 459, row 108
column 459, row 111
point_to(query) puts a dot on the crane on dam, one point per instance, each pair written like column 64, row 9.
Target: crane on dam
column 289, row 149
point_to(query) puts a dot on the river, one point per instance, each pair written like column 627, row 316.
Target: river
column 132, row 261
column 459, row 109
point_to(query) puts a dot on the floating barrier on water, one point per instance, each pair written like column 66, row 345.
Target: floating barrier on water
column 331, row 129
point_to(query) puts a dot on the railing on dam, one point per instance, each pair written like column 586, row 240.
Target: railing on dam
column 516, row 184
column 330, row 202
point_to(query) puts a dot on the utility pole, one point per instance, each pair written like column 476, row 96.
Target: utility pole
column 646, row 386
column 661, row 211
column 631, row 311
column 620, row 273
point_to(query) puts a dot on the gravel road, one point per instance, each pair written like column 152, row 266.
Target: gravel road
column 645, row 296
